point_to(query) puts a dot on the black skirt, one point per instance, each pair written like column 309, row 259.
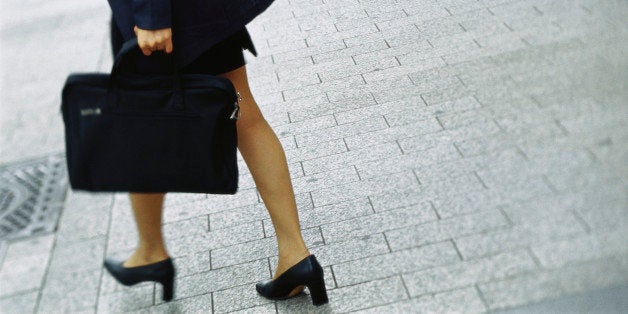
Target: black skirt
column 225, row 56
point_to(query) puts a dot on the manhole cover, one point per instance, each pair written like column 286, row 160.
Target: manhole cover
column 31, row 196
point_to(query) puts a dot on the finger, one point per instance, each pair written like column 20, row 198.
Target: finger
column 147, row 52
column 151, row 44
column 143, row 45
column 169, row 46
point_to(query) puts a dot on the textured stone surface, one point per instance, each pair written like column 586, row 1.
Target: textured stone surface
column 446, row 156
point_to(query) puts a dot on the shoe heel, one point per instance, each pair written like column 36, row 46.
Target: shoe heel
column 168, row 289
column 318, row 292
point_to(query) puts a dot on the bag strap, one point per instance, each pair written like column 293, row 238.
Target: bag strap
column 132, row 46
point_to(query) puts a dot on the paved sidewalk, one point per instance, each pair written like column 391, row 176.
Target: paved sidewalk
column 447, row 156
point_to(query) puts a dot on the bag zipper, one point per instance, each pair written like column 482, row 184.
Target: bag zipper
column 237, row 108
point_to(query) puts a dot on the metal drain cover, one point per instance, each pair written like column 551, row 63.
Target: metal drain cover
column 31, row 196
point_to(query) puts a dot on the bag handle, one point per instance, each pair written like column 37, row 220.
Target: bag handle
column 128, row 48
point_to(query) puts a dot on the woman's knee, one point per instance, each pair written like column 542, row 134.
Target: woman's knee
column 250, row 116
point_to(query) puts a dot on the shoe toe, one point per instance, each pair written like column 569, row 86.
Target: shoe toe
column 261, row 286
column 111, row 263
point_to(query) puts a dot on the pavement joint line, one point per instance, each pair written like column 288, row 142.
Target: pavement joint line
column 482, row 297
column 356, row 171
column 549, row 184
column 322, row 235
column 453, row 242
column 438, row 216
column 213, row 302
column 581, row 220
column 535, row 258
column 387, row 243
column 554, row 48
column 23, row 292
column 405, row 287
column 508, row 219
column 477, row 176
column 373, row 211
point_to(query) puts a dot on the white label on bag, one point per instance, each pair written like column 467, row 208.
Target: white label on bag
column 90, row 111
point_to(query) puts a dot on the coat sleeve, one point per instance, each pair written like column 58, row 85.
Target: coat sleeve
column 152, row 14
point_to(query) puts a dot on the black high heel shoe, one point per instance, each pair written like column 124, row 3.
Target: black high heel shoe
column 162, row 272
column 307, row 272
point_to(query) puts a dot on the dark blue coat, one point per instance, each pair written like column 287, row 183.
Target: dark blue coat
column 196, row 24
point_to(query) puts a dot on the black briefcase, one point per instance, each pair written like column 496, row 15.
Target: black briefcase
column 130, row 132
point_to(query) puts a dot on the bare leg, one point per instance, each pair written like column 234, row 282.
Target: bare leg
column 266, row 160
column 147, row 209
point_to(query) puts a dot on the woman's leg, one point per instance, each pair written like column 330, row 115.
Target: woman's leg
column 147, row 209
column 266, row 160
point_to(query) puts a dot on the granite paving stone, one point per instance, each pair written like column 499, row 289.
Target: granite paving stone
column 193, row 263
column 443, row 138
column 328, row 148
column 352, row 249
column 444, row 229
column 406, row 161
column 266, row 308
column 383, row 265
column 20, row 303
column 378, row 222
column 322, row 180
column 198, row 304
column 326, row 108
column 251, row 213
column 57, row 296
column 549, row 284
column 610, row 217
column 222, row 278
column 390, row 89
column 23, row 275
column 519, row 236
column 581, row 249
column 255, row 249
column 3, row 251
column 469, row 273
column 84, row 255
column 318, row 216
column 237, row 298
column 373, row 153
column 466, row 300
column 446, row 156
column 396, row 131
column 198, row 242
column 341, row 131
column 365, row 187
column 390, row 107
column 125, row 301
column 354, row 297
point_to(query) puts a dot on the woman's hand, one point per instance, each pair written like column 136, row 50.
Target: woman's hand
column 153, row 40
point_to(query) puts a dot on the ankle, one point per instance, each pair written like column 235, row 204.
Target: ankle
column 143, row 256
column 289, row 258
